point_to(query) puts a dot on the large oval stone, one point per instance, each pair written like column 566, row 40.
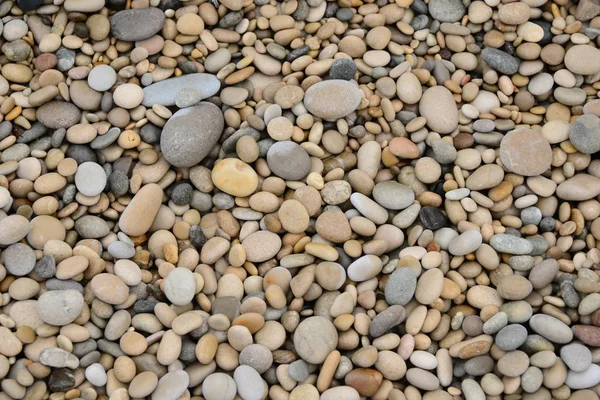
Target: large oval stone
column 439, row 108
column 190, row 134
column 333, row 99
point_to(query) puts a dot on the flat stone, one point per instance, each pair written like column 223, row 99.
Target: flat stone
column 510, row 244
column 584, row 133
column 447, row 10
column 90, row 179
column 314, row 339
column 437, row 105
column 500, row 61
column 577, row 357
column 400, row 287
column 18, row 259
column 583, row 59
column 585, row 379
column 332, row 99
column 91, row 227
column 393, row 195
column 467, row 242
column 249, row 383
column 60, row 307
column 288, row 160
column 137, row 24
column 578, row 188
column 511, row 337
column 139, row 214
column 191, row 133
column 386, row 320
column 551, row 328
column 180, row 286
column 58, row 114
column 171, row 386
column 525, row 152
column 166, row 92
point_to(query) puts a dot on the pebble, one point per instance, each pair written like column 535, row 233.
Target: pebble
column 439, row 108
column 136, row 24
column 18, row 259
column 447, row 10
column 467, row 242
column 400, row 287
column 102, row 77
column 332, row 99
column 551, row 328
column 511, row 244
column 288, row 160
column 583, row 59
column 584, row 134
column 90, row 179
column 183, row 149
column 525, row 152
column 500, row 61
column 249, row 383
column 576, row 356
column 234, row 177
column 234, row 201
column 314, row 339
column 393, row 195
column 59, row 307
column 168, row 91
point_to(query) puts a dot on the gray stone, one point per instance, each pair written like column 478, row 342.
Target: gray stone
column 386, row 320
column 58, row 114
column 298, row 371
column 17, row 50
column 543, row 273
column 188, row 96
column 101, row 142
column 45, row 268
column 500, row 61
column 400, row 287
column 118, row 183
column 58, row 358
column 577, row 356
column 120, row 249
column 137, row 24
column 18, row 259
column 91, row 227
column 59, row 307
column 511, row 244
column 447, row 10
column 584, row 133
column 343, row 68
column 332, row 99
column 191, row 133
column 511, row 337
column 59, row 284
column 393, row 195
column 551, row 328
column 288, row 160
column 166, row 92
column 257, row 356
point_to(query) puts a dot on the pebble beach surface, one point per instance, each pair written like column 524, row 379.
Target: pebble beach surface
column 299, row 199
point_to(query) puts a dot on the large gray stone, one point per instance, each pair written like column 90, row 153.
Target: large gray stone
column 165, row 92
column 137, row 24
column 191, row 133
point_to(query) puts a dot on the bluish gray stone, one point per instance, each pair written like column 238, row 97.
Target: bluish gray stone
column 165, row 92
column 137, row 24
column 400, row 287
column 190, row 134
column 500, row 61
